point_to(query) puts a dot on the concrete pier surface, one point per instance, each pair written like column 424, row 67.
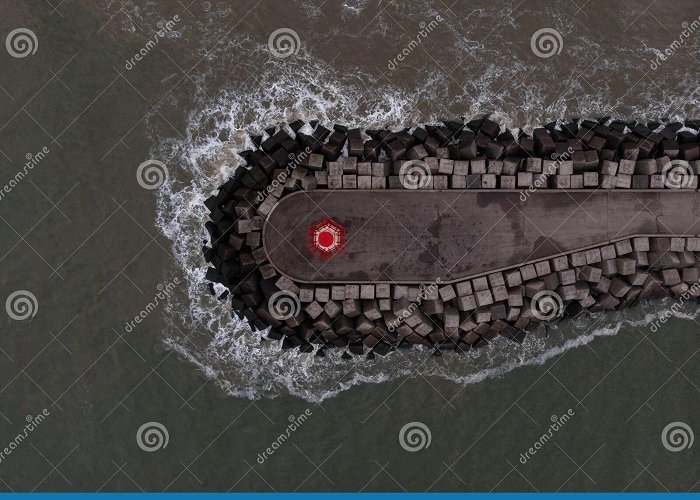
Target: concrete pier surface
column 415, row 236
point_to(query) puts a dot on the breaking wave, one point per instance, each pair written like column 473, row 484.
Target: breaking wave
column 221, row 116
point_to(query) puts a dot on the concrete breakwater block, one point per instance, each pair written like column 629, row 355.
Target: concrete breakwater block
column 452, row 235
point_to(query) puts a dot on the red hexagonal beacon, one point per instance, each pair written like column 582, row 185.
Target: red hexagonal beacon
column 326, row 238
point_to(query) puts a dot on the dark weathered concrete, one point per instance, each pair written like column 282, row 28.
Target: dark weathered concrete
column 417, row 236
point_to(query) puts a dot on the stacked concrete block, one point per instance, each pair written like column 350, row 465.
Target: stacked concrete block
column 479, row 154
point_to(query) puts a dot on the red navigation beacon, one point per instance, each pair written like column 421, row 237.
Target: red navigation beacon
column 326, row 238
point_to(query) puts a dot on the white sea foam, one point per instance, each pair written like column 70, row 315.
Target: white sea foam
column 202, row 329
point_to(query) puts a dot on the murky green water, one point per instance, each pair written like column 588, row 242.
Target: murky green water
column 92, row 245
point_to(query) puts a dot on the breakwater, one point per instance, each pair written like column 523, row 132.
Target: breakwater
column 451, row 234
